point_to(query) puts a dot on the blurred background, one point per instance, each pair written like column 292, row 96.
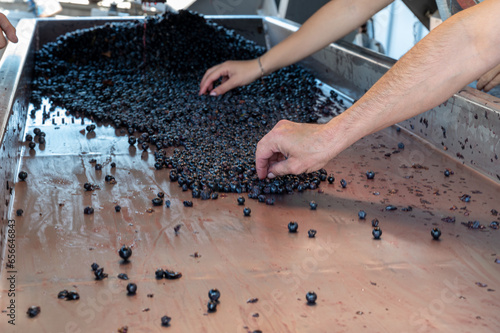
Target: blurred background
column 392, row 31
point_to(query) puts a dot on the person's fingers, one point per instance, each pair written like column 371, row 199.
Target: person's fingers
column 278, row 157
column 208, row 72
column 270, row 150
column 3, row 42
column 483, row 81
column 206, row 84
column 263, row 155
column 487, row 77
column 225, row 86
column 285, row 167
column 262, row 165
column 215, row 75
column 493, row 83
column 9, row 29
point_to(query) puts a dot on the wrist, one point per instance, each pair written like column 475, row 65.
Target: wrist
column 341, row 132
column 262, row 71
column 266, row 60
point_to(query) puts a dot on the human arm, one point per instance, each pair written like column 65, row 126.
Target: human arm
column 331, row 22
column 450, row 57
column 8, row 28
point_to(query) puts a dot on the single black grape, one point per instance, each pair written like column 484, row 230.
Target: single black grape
column 125, row 252
column 214, row 294
column 131, row 288
column 436, row 233
column 311, row 297
column 23, row 175
column 157, row 201
column 33, row 311
column 247, row 211
column 377, row 232
column 165, row 321
column 212, row 306
column 293, row 226
column 88, row 211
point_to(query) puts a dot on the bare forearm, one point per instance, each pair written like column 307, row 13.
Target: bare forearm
column 330, row 23
column 451, row 56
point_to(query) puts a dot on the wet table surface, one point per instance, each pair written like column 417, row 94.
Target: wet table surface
column 405, row 282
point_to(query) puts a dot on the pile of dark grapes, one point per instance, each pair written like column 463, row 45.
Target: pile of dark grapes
column 143, row 76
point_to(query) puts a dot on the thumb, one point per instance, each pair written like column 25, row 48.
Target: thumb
column 11, row 34
column 223, row 88
column 8, row 28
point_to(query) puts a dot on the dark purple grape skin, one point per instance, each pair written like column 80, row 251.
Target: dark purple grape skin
column 212, row 306
column 159, row 274
column 311, row 298
column 172, row 275
column 131, row 288
column 214, row 294
column 33, row 311
column 436, row 233
column 293, row 227
column 377, row 232
column 125, row 252
column 88, row 211
column 157, row 201
column 62, row 294
column 72, row 296
column 99, row 274
column 165, row 321
column 23, row 175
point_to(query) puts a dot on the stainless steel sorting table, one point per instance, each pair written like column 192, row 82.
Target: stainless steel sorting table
column 405, row 282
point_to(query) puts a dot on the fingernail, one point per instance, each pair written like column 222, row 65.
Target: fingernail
column 270, row 175
column 213, row 93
